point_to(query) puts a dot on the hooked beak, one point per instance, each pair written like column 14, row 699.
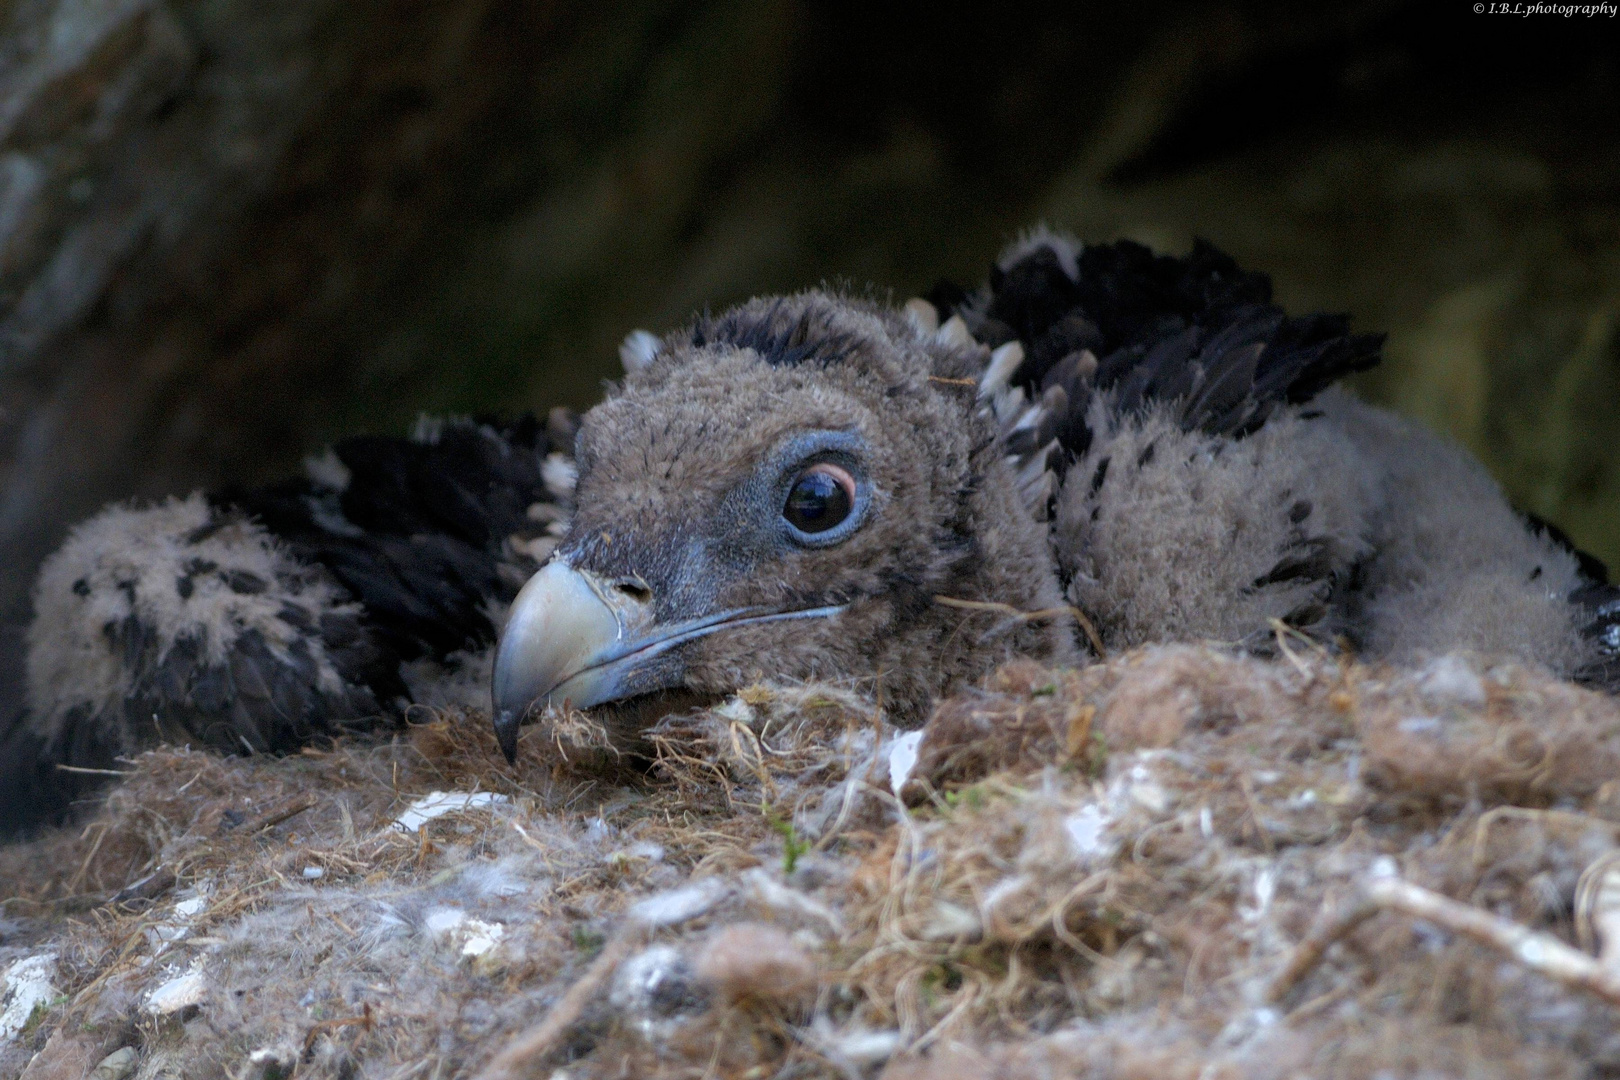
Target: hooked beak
column 572, row 638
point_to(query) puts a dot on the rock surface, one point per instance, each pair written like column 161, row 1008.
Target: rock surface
column 230, row 231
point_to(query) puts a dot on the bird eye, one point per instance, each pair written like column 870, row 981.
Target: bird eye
column 821, row 498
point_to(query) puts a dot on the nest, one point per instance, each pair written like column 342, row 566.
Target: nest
column 1178, row 863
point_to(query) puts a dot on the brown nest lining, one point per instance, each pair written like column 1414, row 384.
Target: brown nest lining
column 1177, row 863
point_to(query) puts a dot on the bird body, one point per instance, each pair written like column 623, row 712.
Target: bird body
column 1101, row 448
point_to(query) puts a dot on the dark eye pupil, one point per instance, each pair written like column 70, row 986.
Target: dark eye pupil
column 817, row 503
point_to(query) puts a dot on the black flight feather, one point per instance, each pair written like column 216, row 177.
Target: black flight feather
column 1198, row 329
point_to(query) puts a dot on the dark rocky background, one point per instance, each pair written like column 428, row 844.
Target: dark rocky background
column 231, row 230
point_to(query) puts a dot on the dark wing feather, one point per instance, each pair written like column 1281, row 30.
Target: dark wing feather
column 1197, row 329
column 1223, row 399
column 1600, row 602
column 423, row 534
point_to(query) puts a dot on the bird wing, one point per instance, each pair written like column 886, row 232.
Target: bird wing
column 1125, row 366
column 264, row 619
column 427, row 532
column 1119, row 322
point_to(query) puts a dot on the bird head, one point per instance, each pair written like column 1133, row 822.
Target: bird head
column 784, row 491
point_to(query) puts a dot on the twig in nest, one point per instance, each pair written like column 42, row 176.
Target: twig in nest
column 1031, row 616
column 1283, row 631
column 1541, row 953
column 1597, row 905
column 954, row 382
column 95, row 772
column 1532, row 949
column 1330, row 926
column 149, row 887
column 84, row 867
column 276, row 817
column 1246, row 785
column 538, row 1041
column 363, row 1020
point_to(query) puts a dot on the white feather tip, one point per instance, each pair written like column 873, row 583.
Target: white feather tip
column 638, row 350
column 953, row 331
column 1004, row 363
column 923, row 316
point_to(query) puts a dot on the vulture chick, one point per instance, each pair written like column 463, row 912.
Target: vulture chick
column 813, row 486
column 1100, row 448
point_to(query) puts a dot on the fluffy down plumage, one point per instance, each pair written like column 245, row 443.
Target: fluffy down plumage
column 1147, row 440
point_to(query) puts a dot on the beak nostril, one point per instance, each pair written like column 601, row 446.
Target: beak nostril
column 635, row 589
